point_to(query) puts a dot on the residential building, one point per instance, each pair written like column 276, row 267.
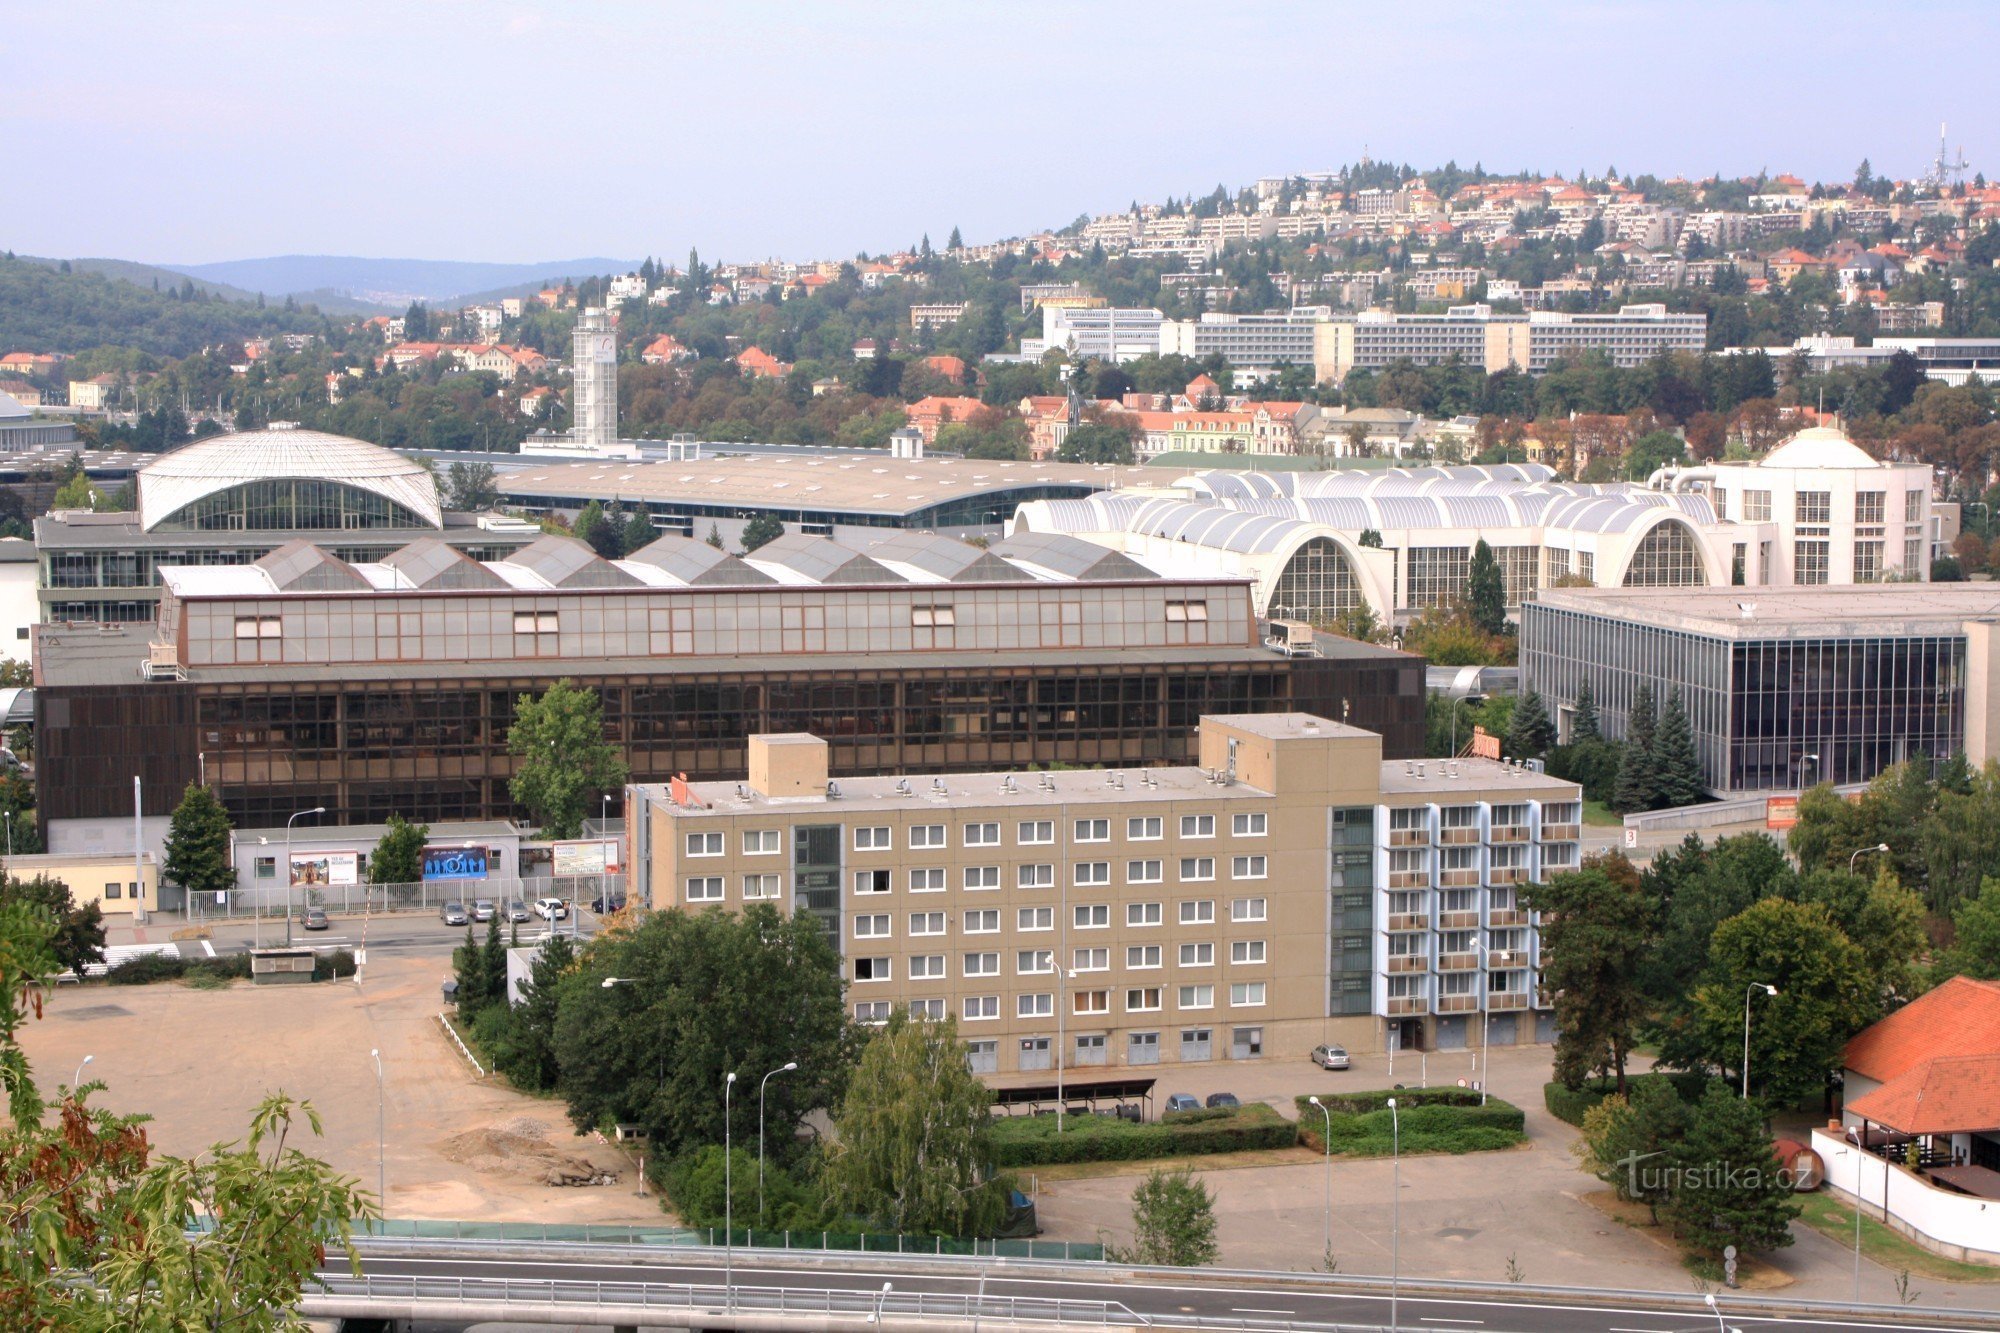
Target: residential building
column 665, row 350
column 1103, row 333
column 939, row 314
column 93, row 394
column 1034, row 294
column 1256, row 346
column 757, row 363
column 123, row 885
column 1534, row 342
column 1287, row 889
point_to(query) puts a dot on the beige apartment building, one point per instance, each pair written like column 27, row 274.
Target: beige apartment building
column 1290, row 889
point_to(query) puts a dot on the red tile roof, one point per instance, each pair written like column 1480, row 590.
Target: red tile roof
column 1961, row 1017
column 1946, row 1096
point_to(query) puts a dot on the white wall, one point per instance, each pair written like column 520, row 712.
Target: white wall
column 1955, row 1225
column 18, row 608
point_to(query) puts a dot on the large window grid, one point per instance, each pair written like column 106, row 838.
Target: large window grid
column 290, row 502
column 1317, row 584
column 1667, row 557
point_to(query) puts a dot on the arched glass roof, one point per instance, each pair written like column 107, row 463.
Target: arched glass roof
column 209, row 468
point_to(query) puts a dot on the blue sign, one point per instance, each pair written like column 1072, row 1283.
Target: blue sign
column 454, row 863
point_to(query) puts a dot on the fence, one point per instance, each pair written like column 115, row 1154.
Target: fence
column 743, row 1237
column 428, row 896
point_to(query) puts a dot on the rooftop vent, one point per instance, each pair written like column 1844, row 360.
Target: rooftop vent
column 833, row 791
column 902, row 786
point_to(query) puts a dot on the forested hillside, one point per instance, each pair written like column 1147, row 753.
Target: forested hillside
column 48, row 310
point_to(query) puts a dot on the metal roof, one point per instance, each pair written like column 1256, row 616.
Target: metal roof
column 923, row 557
column 565, row 562
column 208, row 467
column 301, row 566
column 429, row 563
column 1054, row 555
column 798, row 558
column 693, row 564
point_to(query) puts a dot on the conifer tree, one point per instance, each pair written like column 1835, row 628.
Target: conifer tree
column 1486, row 590
column 1638, row 774
column 1529, row 731
column 715, row 536
column 1583, row 727
column 197, row 847
column 638, row 532
column 1676, row 766
column 1728, row 1190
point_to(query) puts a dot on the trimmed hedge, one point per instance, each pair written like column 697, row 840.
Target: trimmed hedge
column 1032, row 1141
column 145, row 968
column 1357, row 1103
column 1572, row 1104
column 1432, row 1120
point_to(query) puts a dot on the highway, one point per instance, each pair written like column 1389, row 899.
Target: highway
column 1152, row 1298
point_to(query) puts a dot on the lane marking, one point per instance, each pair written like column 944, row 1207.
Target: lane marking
column 208, row 948
column 1433, row 1319
column 1258, row 1309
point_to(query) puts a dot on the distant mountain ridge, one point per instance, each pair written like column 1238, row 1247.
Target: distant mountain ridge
column 388, row 283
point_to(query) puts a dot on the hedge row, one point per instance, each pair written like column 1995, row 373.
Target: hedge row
column 144, row 969
column 1355, row 1103
column 1572, row 1104
column 1032, row 1140
column 1430, row 1120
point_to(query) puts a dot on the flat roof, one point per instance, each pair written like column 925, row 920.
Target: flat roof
column 1031, row 788
column 1873, row 610
column 304, row 835
column 1473, row 780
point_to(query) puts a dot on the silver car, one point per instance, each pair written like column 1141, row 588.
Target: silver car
column 1330, row 1057
column 482, row 909
column 452, row 914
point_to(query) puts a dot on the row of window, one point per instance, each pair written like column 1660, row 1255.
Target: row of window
column 1042, row 1004
column 1087, row 916
column 1042, row 875
column 1029, row 832
column 1040, row 962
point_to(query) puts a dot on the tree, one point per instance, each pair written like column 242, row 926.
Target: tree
column 1628, row 1130
column 470, row 487
column 197, row 847
column 1727, row 1188
column 76, row 933
column 77, row 493
column 1370, row 537
column 1486, row 590
column 1691, row 889
column 1583, row 726
column 1173, row 1221
column 1096, row 442
column 597, row 528
column 398, row 857
column 715, row 536
column 909, row 1150
column 953, row 242
column 468, row 969
column 565, row 759
column 530, row 1056
column 1676, row 766
column 1596, row 934
column 1638, row 773
column 1530, row 731
column 638, row 533
column 761, row 530
column 1975, row 947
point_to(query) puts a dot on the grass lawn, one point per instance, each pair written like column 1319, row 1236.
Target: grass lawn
column 1596, row 812
column 1834, row 1219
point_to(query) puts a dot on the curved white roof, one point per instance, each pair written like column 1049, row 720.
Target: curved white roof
column 209, row 466
column 1819, row 446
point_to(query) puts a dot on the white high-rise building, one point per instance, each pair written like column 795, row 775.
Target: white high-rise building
column 594, row 380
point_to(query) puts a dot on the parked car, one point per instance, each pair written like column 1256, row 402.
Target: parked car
column 551, row 909
column 1182, row 1101
column 452, row 914
column 1223, row 1101
column 516, row 910
column 610, row 902
column 315, row 918
column 482, row 909
column 1330, row 1057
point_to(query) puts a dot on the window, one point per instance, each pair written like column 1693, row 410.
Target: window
column 704, row 889
column 981, row 1006
column 982, row 835
column 1246, row 867
column 1033, row 831
column 1248, row 826
column 931, row 1009
column 1183, row 612
column 981, row 964
column 760, row 842
column 1913, row 506
column 1142, row 914
column 267, row 867
column 114, row 890
column 927, row 835
column 1093, row 872
column 874, row 969
column 264, row 627
column 1198, row 912
column 704, row 844
column 761, row 886
column 982, row 877
column 927, row 923
column 985, row 922
column 1870, row 506
column 1809, row 561
column 1143, row 828
column 1198, row 955
column 1093, row 830
column 1197, row 997
column 871, row 926
column 927, row 967
column 1913, row 554
column 933, row 617
column 1867, row 562
column 872, row 840
column 871, row 881
column 1142, row 955
column 1143, row 872
column 1197, row 826
column 1756, row 506
column 1034, row 1005
column 1033, row 962
column 1197, row 868
column 1093, row 916
column 929, row 879
column 1813, row 507
column 1035, row 876
column 1246, row 994
column 1092, row 1002
column 534, row 622
column 1142, row 1000
column 1035, row 918
column 1246, row 909
column 1090, row 960
column 875, row 1012
column 1246, row 951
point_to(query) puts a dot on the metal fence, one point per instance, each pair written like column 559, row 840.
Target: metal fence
column 355, row 899
column 748, row 1238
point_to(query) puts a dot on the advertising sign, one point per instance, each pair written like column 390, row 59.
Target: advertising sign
column 1485, row 745
column 320, row 869
column 582, row 858
column 1781, row 812
column 455, row 863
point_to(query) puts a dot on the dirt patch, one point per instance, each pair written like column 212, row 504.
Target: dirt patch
column 1751, row 1274
column 519, row 1148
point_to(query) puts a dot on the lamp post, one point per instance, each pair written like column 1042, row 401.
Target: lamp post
column 381, row 1142
column 1485, row 1017
column 875, row 1315
column 1395, row 1213
column 1748, row 991
column 1062, row 984
column 1863, row 851
column 728, row 1210
column 1856, row 1154
column 1715, row 1309
column 77, row 1077
column 1326, row 1222
column 1805, row 759
column 316, row 810
column 609, row 982
column 10, row 832
column 784, row 1068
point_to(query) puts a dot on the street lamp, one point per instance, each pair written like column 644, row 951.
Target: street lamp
column 77, row 1077
column 609, row 982
column 381, row 1143
column 875, row 1315
column 1327, row 1218
column 10, row 832
column 316, row 810
column 1805, row 759
column 784, row 1068
column 1395, row 1213
column 1748, row 991
column 1863, row 851
column 1716, row 1310
column 1062, row 984
column 1856, row 1154
column 728, row 1201
column 1485, row 1015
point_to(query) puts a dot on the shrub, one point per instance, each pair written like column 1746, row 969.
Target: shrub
column 1572, row 1104
column 332, row 966
column 1032, row 1140
column 146, row 968
column 222, row 967
column 1433, row 1120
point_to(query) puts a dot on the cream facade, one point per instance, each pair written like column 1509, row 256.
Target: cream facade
column 106, row 879
column 1290, row 889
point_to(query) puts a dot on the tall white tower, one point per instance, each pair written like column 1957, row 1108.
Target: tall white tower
column 594, row 380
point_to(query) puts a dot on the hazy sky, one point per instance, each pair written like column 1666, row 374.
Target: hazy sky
column 482, row 129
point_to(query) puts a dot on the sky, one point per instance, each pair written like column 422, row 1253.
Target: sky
column 505, row 131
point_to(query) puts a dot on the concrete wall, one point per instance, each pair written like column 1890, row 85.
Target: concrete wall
column 1957, row 1226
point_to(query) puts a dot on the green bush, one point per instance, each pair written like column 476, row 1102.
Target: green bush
column 332, row 966
column 146, row 968
column 1572, row 1104
column 1032, row 1140
column 1432, row 1120
column 222, row 967
column 1355, row 1103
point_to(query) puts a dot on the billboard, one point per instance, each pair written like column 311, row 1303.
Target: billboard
column 584, row 858
column 320, row 869
column 1781, row 812
column 455, row 863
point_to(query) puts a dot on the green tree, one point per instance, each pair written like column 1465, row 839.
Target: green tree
column 759, row 531
column 1486, row 590
column 1530, row 732
column 1173, row 1221
column 493, row 963
column 565, row 759
column 909, row 1151
column 1596, row 934
column 638, row 533
column 1676, row 766
column 76, row 933
column 1583, row 725
column 1096, row 442
column 470, row 487
column 530, row 1058
column 1627, row 1138
column 77, row 493
column 599, row 529
column 1975, row 946
column 398, row 857
column 468, row 969
column 715, row 536
column 1638, row 771
column 1370, row 537
column 1883, row 919
column 1727, row 1188
column 197, row 846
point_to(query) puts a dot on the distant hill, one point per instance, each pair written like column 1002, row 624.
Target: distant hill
column 391, row 283
column 43, row 309
column 152, row 275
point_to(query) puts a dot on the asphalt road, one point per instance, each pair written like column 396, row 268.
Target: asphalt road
column 1162, row 1299
column 388, row 933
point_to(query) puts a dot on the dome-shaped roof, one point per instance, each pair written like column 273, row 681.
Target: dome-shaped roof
column 1819, row 447
column 208, row 467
